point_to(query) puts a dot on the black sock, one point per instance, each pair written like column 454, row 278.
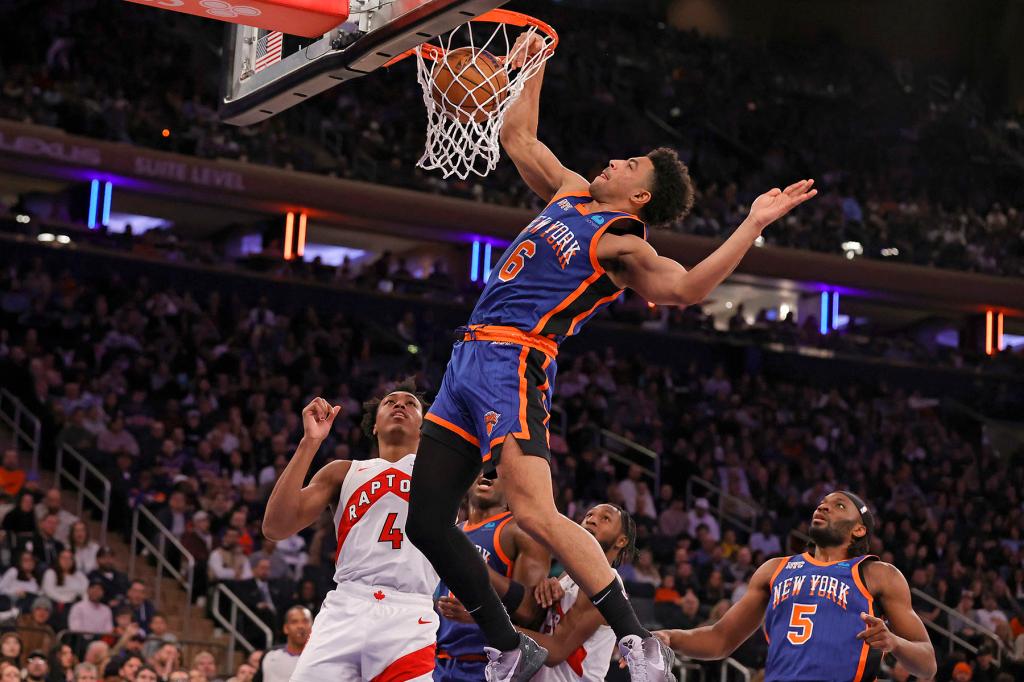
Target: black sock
column 614, row 605
column 440, row 479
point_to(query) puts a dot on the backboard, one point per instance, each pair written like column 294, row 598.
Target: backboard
column 267, row 72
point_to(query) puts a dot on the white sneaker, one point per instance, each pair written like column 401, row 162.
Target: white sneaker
column 518, row 665
column 648, row 660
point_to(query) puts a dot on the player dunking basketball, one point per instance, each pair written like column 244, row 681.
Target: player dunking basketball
column 577, row 256
column 379, row 622
column 823, row 610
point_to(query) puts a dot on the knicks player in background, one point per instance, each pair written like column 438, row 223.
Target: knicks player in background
column 513, row 557
column 379, row 622
column 587, row 246
column 578, row 641
column 829, row 614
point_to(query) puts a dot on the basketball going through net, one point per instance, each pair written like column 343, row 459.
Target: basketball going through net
column 470, row 77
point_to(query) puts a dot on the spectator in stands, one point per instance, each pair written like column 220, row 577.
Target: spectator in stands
column 270, row 597
column 137, row 599
column 97, row 654
column 52, row 504
column 62, row 663
column 45, row 544
column 990, row 615
column 673, row 520
column 206, row 665
column 147, row 673
column 74, row 433
column 64, row 584
column 126, row 669
column 278, row 664
column 115, row 582
column 165, row 659
column 21, row 521
column 19, row 582
column 701, row 515
column 279, row 568
column 10, row 672
column 85, row 672
column 116, row 439
column 83, row 547
column 198, row 541
column 985, row 667
column 765, row 540
column 174, row 515
column 642, row 570
column 12, row 476
column 34, row 627
column 91, row 614
column 667, row 591
column 307, row 595
column 37, row 667
column 11, row 648
column 683, row 615
column 228, row 562
column 159, row 634
column 244, row 673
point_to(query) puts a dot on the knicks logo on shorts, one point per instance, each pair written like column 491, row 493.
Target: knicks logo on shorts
column 490, row 419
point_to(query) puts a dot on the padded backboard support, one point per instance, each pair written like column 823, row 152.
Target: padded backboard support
column 370, row 39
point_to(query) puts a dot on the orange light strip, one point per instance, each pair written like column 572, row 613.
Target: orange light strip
column 999, row 332
column 301, row 246
column 988, row 332
column 288, row 224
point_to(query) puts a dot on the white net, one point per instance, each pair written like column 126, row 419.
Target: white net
column 470, row 78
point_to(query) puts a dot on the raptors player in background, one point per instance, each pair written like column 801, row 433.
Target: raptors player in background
column 379, row 622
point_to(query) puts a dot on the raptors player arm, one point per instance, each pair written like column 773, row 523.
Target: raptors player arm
column 904, row 636
column 713, row 642
column 539, row 167
column 291, row 506
column 633, row 263
column 574, row 628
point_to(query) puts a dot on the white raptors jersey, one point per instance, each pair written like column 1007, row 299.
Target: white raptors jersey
column 591, row 660
column 372, row 547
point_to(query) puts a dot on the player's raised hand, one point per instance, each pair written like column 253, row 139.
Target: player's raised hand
column 526, row 45
column 547, row 592
column 318, row 417
column 776, row 203
column 877, row 634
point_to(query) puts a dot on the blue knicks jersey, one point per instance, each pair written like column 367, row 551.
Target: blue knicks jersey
column 463, row 639
column 549, row 280
column 813, row 619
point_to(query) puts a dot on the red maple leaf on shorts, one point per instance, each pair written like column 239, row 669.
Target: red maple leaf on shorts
column 378, row 595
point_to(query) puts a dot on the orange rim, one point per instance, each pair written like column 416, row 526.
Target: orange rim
column 495, row 16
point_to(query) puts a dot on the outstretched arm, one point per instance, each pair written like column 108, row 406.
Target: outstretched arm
column 663, row 281
column 713, row 642
column 905, row 636
column 292, row 507
column 538, row 166
column 575, row 628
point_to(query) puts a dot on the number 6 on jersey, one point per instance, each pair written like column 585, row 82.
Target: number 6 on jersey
column 516, row 261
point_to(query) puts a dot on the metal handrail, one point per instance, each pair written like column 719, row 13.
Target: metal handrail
column 721, row 511
column 231, row 624
column 85, row 491
column 612, row 444
column 18, row 412
column 745, row 672
column 951, row 637
column 953, row 613
column 158, row 551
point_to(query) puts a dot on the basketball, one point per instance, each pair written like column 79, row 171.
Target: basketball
column 469, row 83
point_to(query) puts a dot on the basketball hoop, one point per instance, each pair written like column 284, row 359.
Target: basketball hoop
column 463, row 130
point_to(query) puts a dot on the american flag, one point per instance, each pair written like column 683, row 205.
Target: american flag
column 268, row 50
